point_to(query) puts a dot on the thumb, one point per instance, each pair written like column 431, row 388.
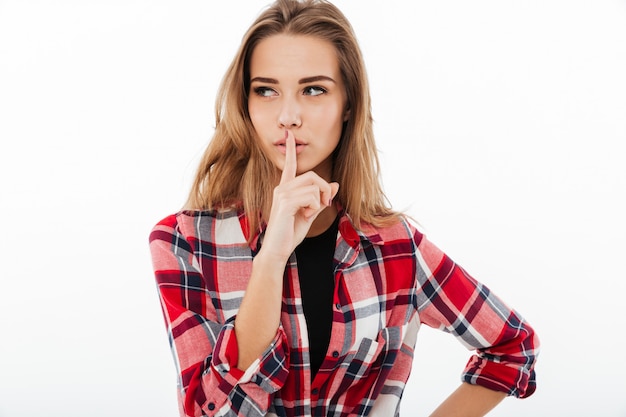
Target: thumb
column 334, row 189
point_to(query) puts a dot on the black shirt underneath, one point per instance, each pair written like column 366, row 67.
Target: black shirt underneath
column 317, row 285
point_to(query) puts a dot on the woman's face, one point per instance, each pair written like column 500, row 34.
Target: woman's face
column 296, row 84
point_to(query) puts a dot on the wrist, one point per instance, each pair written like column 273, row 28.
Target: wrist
column 270, row 264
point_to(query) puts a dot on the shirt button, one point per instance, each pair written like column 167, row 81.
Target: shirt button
column 335, row 354
column 338, row 306
column 315, row 391
column 211, row 406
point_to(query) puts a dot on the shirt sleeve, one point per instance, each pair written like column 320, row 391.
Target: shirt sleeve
column 205, row 350
column 448, row 298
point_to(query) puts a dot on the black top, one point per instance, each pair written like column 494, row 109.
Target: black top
column 317, row 285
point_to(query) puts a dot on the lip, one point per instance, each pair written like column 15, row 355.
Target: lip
column 282, row 147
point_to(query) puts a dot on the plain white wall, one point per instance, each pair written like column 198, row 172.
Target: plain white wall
column 501, row 127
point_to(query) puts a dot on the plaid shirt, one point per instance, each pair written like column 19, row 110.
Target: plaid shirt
column 388, row 281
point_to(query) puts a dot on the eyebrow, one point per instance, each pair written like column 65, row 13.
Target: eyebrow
column 300, row 81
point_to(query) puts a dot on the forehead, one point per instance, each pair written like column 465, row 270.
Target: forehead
column 294, row 56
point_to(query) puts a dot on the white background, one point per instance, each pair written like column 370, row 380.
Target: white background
column 501, row 127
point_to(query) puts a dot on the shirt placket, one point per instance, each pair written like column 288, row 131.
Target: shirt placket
column 294, row 324
column 345, row 255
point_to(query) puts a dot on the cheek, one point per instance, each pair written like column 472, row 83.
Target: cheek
column 254, row 113
column 258, row 111
column 333, row 118
column 328, row 115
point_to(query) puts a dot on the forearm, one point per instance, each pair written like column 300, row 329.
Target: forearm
column 258, row 317
column 469, row 401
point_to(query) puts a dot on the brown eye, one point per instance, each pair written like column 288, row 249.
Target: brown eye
column 264, row 92
column 314, row 91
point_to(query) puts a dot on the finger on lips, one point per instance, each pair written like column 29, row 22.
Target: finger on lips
column 326, row 191
column 291, row 163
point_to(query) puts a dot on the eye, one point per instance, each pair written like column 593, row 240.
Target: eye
column 314, row 91
column 264, row 92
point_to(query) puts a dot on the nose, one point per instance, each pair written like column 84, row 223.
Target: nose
column 290, row 114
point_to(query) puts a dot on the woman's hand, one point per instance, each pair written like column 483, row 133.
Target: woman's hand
column 296, row 203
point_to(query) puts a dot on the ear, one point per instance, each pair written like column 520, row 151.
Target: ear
column 346, row 114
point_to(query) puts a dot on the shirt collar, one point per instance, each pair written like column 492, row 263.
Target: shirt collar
column 366, row 234
column 353, row 236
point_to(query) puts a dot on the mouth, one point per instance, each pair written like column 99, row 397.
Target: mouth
column 283, row 142
column 282, row 145
column 298, row 145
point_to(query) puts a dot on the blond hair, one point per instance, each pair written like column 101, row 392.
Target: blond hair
column 234, row 171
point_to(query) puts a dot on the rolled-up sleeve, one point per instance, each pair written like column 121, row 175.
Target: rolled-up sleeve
column 205, row 349
column 448, row 298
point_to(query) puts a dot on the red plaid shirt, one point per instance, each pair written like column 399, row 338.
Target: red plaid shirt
column 388, row 281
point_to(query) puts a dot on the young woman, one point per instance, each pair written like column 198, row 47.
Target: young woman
column 289, row 287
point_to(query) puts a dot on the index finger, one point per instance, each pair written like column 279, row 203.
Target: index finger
column 291, row 164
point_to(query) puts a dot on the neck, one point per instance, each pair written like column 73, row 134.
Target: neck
column 323, row 221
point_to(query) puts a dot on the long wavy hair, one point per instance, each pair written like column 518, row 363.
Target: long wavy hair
column 235, row 172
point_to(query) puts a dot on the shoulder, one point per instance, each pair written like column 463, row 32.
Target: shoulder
column 218, row 226
column 398, row 231
column 403, row 238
